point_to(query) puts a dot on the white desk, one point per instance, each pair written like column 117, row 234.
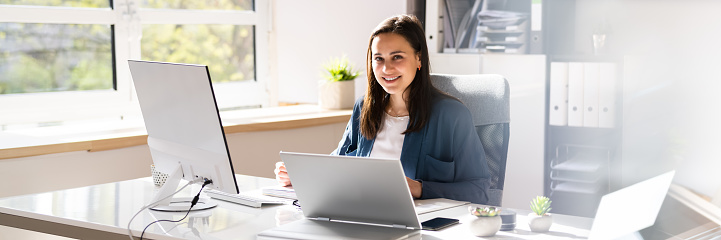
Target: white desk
column 103, row 211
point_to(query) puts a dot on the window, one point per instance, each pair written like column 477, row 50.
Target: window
column 67, row 60
column 200, row 5
column 226, row 49
column 65, row 3
column 39, row 57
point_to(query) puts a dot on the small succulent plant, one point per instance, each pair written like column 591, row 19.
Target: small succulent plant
column 541, row 205
column 339, row 69
column 484, row 211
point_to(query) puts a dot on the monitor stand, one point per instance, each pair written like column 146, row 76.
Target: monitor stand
column 177, row 204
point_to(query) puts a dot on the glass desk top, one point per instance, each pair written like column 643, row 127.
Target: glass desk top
column 109, row 207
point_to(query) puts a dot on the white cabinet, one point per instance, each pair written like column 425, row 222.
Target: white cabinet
column 455, row 63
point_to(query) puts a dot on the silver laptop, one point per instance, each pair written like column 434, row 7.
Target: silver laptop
column 621, row 213
column 350, row 198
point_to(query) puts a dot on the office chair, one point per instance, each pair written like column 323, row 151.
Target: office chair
column 487, row 96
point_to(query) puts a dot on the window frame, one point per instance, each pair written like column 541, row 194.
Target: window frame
column 127, row 19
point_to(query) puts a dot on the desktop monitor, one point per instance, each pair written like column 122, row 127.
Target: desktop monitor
column 185, row 134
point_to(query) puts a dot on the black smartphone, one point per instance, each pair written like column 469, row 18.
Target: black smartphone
column 438, row 223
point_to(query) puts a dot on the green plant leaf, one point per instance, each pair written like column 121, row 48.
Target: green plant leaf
column 484, row 211
column 339, row 69
column 541, row 205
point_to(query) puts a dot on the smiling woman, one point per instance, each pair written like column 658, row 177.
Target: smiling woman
column 395, row 64
column 398, row 75
column 403, row 116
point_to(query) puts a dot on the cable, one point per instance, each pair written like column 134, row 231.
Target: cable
column 153, row 204
column 192, row 204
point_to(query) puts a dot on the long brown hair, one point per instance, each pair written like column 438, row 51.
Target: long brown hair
column 421, row 91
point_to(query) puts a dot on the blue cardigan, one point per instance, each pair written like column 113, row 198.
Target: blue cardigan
column 446, row 155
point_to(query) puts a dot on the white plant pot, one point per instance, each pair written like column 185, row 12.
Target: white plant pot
column 336, row 95
column 485, row 226
column 539, row 223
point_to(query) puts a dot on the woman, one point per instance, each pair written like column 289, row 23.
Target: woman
column 402, row 116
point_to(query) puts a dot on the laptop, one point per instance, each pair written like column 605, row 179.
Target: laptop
column 368, row 199
column 621, row 213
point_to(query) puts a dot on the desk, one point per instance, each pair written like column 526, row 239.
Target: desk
column 103, row 211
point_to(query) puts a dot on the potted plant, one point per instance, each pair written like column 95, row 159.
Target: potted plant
column 487, row 221
column 540, row 220
column 337, row 92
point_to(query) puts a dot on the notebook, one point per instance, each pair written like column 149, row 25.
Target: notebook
column 621, row 213
column 348, row 197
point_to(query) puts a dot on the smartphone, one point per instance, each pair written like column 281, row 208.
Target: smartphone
column 438, row 223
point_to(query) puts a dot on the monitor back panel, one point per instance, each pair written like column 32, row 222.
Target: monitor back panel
column 182, row 120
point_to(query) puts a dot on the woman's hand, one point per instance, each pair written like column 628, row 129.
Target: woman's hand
column 415, row 186
column 282, row 175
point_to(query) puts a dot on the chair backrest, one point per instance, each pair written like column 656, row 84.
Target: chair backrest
column 487, row 96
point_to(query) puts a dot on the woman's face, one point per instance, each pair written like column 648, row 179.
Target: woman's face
column 394, row 62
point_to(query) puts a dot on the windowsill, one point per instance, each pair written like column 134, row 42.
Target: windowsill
column 109, row 135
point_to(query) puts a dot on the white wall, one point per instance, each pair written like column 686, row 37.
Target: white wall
column 309, row 33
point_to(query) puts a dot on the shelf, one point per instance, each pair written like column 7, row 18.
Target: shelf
column 591, row 180
column 572, row 187
column 579, row 165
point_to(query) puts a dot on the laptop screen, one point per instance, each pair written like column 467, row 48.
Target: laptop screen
column 630, row 209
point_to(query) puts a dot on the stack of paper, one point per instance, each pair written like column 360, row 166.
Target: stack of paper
column 278, row 191
column 477, row 26
column 580, row 169
column 431, row 205
column 501, row 31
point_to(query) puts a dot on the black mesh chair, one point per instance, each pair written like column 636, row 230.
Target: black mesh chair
column 487, row 96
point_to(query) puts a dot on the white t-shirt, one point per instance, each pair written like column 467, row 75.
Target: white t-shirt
column 389, row 141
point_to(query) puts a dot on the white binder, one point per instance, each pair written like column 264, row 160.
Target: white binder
column 558, row 99
column 590, row 94
column 607, row 95
column 575, row 94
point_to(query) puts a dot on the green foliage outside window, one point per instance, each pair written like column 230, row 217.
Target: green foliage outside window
column 71, row 57
column 238, row 5
column 227, row 50
column 54, row 57
column 60, row 3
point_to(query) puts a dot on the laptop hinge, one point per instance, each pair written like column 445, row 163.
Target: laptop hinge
column 325, row 219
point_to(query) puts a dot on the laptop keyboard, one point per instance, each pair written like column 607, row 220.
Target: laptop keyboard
column 244, row 198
